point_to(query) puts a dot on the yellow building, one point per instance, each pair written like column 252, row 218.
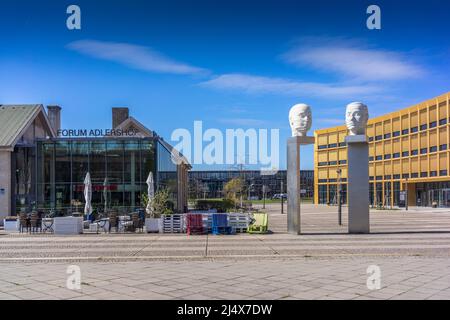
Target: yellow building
column 408, row 150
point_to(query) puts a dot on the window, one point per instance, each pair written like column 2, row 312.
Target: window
column 371, row 178
column 396, row 133
column 423, row 150
column 332, row 180
column 321, row 164
column 387, row 177
column 324, row 146
column 396, row 155
column 423, row 127
column 332, row 145
column 442, row 121
column 378, row 137
column 405, row 131
column 396, row 176
column 379, row 158
column 414, row 152
column 433, row 149
column 442, row 147
column 443, row 172
column 424, row 174
column 342, row 144
column 370, row 158
column 414, row 175
column 405, row 153
column 370, row 139
column 342, row 161
column 322, row 180
column 414, row 129
column 332, row 163
column 433, row 124
column 405, row 175
column 387, row 135
column 379, row 177
column 387, row 156
column 433, row 173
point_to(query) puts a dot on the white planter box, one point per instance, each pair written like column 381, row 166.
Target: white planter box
column 11, row 225
column 153, row 225
column 68, row 225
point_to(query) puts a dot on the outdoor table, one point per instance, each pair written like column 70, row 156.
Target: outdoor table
column 47, row 224
column 123, row 222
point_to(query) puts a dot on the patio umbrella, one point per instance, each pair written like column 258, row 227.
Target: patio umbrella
column 88, row 195
column 150, row 192
column 105, row 193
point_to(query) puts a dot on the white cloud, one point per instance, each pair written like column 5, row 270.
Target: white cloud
column 138, row 57
column 258, row 84
column 245, row 122
column 352, row 59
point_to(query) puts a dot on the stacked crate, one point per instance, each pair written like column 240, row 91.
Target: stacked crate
column 174, row 223
column 239, row 221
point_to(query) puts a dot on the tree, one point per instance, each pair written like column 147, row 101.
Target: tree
column 160, row 204
column 234, row 188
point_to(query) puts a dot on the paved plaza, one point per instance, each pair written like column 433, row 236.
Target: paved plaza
column 411, row 248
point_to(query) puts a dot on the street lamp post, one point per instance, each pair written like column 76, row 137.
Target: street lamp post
column 339, row 171
column 406, row 201
column 282, row 198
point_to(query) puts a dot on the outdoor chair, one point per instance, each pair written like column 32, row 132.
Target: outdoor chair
column 194, row 223
column 220, row 224
column 35, row 222
column 260, row 223
column 138, row 223
column 113, row 221
column 24, row 222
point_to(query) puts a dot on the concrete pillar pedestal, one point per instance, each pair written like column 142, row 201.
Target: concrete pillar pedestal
column 293, row 181
column 358, row 184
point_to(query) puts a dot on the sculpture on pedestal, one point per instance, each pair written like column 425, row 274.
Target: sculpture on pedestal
column 300, row 119
column 356, row 116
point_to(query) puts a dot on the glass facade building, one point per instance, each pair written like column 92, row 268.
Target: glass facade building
column 118, row 168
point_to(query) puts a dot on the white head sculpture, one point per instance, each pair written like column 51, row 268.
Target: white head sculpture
column 300, row 119
column 356, row 116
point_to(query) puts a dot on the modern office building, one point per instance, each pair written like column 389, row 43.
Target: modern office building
column 210, row 184
column 43, row 166
column 408, row 157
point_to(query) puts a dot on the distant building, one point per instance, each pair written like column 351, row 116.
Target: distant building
column 210, row 184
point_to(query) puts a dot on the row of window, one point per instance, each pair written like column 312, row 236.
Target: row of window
column 394, row 134
column 414, row 152
column 332, row 163
column 396, row 176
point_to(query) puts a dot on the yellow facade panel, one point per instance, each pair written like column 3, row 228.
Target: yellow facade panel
column 396, row 125
column 405, row 144
column 414, row 165
column 414, row 119
column 342, row 154
column 443, row 161
column 442, row 110
column 378, row 129
column 379, row 169
column 396, row 145
column 414, row 142
column 423, row 117
column 443, row 136
column 371, row 150
column 323, row 156
column 432, row 113
column 387, row 168
column 423, row 164
column 433, row 162
column 396, row 167
column 323, row 174
column 387, row 147
column 379, row 148
column 405, row 122
column 322, row 140
column 371, row 170
column 344, row 172
column 332, row 155
column 423, row 140
column 332, row 138
column 433, row 138
column 342, row 136
column 370, row 131
column 387, row 126
column 405, row 165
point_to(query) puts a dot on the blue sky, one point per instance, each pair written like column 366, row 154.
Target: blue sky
column 231, row 64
